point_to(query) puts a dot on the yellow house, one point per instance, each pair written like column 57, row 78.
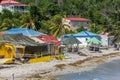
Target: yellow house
column 9, row 52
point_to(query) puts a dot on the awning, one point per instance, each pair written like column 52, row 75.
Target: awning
column 94, row 41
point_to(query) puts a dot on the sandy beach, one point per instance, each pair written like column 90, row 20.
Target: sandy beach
column 47, row 70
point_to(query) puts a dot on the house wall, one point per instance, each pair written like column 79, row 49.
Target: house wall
column 0, row 8
column 83, row 41
column 104, row 40
column 9, row 7
column 77, row 24
column 13, row 8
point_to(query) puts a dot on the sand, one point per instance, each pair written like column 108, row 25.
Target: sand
column 73, row 63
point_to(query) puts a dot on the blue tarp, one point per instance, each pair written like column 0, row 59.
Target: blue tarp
column 83, row 33
column 24, row 31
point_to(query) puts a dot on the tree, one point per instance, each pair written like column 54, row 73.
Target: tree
column 81, row 28
column 6, row 14
column 57, row 27
column 115, row 31
column 27, row 22
column 103, row 13
column 17, row 14
column 45, row 27
column 6, row 24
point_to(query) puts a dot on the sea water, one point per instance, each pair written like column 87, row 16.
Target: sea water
column 105, row 71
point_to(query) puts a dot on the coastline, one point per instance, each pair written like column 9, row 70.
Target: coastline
column 47, row 70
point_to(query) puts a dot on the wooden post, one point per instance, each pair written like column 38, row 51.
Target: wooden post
column 13, row 76
column 49, row 49
column 78, row 48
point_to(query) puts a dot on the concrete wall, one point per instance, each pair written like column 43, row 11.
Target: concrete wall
column 83, row 41
column 104, row 40
column 0, row 8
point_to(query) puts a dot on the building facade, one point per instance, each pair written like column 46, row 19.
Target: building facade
column 12, row 6
column 76, row 23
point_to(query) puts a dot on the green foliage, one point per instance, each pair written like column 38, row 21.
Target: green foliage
column 6, row 14
column 116, row 31
column 96, row 28
column 80, row 28
column 70, row 32
column 46, row 15
column 56, row 27
column 45, row 27
column 7, row 24
column 16, row 14
column 27, row 22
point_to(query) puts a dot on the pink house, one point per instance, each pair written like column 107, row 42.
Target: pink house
column 75, row 23
column 12, row 5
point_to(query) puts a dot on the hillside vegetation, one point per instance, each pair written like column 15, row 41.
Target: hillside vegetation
column 45, row 16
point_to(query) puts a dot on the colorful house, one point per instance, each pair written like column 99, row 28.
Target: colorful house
column 12, row 5
column 50, row 40
column 25, row 49
column 75, row 23
column 22, row 47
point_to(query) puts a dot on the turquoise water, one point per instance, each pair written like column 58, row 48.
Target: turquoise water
column 106, row 71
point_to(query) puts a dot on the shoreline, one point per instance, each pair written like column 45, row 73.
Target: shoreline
column 87, row 64
column 47, row 70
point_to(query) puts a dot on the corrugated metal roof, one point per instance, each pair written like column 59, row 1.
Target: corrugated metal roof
column 24, row 31
column 78, row 19
column 19, row 39
column 49, row 39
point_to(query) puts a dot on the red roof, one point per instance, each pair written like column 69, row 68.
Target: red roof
column 1, row 33
column 49, row 39
column 78, row 19
column 11, row 2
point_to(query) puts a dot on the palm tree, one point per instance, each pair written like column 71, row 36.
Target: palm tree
column 6, row 24
column 57, row 27
column 115, row 31
column 58, row 30
column 27, row 22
